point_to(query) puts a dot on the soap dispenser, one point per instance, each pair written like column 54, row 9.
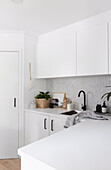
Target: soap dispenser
column 104, row 107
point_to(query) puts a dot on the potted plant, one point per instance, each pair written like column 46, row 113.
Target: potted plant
column 107, row 95
column 43, row 100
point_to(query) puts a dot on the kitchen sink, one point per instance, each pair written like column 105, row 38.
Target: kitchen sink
column 72, row 112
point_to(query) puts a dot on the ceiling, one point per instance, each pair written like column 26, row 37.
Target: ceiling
column 41, row 16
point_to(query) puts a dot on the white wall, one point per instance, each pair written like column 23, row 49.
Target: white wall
column 11, row 40
column 29, row 56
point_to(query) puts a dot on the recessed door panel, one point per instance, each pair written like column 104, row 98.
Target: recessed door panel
column 9, row 82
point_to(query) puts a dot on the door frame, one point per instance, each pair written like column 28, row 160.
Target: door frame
column 20, row 95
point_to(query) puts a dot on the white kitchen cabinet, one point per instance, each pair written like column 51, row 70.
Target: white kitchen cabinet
column 92, row 50
column 56, row 124
column 36, row 126
column 39, row 125
column 56, row 53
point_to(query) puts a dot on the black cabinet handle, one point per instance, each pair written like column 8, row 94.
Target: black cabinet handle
column 52, row 125
column 45, row 123
column 14, row 102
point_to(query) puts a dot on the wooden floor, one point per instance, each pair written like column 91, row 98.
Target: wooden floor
column 10, row 164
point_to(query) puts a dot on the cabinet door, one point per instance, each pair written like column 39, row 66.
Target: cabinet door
column 36, row 127
column 92, row 50
column 57, row 54
column 56, row 124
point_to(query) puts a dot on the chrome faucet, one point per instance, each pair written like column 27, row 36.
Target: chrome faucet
column 84, row 106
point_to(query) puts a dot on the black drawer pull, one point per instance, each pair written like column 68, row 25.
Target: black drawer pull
column 14, row 102
column 52, row 125
column 45, row 123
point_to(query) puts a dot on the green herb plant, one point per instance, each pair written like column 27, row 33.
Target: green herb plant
column 43, row 95
column 107, row 95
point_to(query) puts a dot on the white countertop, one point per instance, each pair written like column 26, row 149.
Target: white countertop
column 85, row 146
column 50, row 112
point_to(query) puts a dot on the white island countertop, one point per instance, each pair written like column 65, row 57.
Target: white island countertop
column 85, row 146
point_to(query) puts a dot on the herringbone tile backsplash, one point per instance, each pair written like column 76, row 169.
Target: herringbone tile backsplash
column 94, row 86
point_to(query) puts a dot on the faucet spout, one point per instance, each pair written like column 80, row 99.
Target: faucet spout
column 84, row 106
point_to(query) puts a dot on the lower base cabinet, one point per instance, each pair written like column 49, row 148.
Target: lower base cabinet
column 35, row 127
column 38, row 126
column 56, row 124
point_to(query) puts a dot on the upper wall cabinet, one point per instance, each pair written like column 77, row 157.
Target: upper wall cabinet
column 92, row 50
column 56, row 54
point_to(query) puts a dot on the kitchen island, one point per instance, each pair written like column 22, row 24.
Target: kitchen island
column 85, row 146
